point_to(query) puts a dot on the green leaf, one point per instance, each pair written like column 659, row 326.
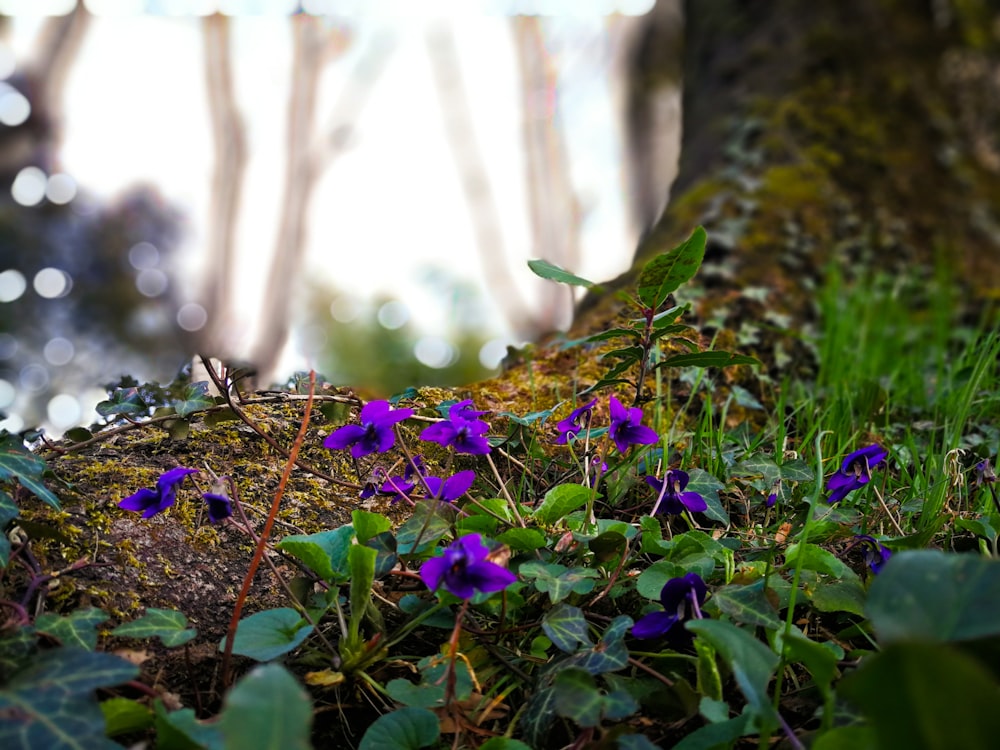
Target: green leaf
column 169, row 625
column 8, row 512
column 538, row 717
column 194, row 397
column 566, row 627
column 848, row 738
column 123, row 401
column 708, row 487
column 78, row 628
column 558, row 581
column 930, row 595
column 758, row 465
column 362, row 562
column 16, row 462
column 614, row 333
column 403, row 729
column 819, row 658
column 718, row 735
column 324, row 553
column 814, row 557
column 708, row 359
column 578, row 698
column 503, row 743
column 181, row 730
column 838, row 596
column 267, row 710
column 527, row 540
column 429, row 522
column 560, row 501
column 553, row 272
column 269, row 634
column 368, row 525
column 124, row 715
column 430, row 692
column 610, row 654
column 607, row 545
column 665, row 273
column 753, row 664
column 651, row 581
column 51, row 704
column 748, row 605
column 924, row 696
column 386, row 558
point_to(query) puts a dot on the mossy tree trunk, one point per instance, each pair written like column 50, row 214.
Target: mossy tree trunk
column 860, row 131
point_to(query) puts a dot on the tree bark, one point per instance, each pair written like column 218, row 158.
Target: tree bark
column 863, row 132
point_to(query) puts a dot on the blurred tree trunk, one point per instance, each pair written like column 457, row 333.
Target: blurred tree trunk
column 552, row 204
column 862, row 131
column 229, row 139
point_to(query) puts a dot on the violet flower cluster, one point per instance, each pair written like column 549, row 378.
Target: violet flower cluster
column 876, row 553
column 465, row 569
column 626, row 428
column 375, row 434
column 150, row 501
column 462, row 430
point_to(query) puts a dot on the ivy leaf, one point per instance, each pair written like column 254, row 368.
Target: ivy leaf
column 51, row 703
column 665, row 273
column 194, row 397
column 126, row 402
column 708, row 487
column 430, row 521
column 748, row 605
column 8, row 512
column 16, row 462
column 169, row 625
column 610, row 653
column 553, row 272
column 124, row 715
column 578, row 698
column 78, row 628
column 558, row 581
column 566, row 627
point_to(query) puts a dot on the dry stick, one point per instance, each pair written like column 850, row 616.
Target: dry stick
column 224, row 390
column 262, row 541
column 506, row 494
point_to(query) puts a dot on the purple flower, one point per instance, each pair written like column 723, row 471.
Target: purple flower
column 462, row 431
column 772, row 498
column 151, row 502
column 681, row 599
column 854, row 472
column 576, row 421
column 626, row 428
column 671, row 497
column 452, row 488
column 375, row 433
column 985, row 473
column 464, row 569
column 876, row 553
column 220, row 506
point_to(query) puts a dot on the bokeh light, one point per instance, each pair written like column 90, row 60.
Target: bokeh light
column 12, row 285
column 435, row 352
column 7, row 393
column 393, row 314
column 29, row 186
column 192, row 317
column 58, row 351
column 143, row 255
column 33, row 378
column 345, row 308
column 151, row 282
column 60, row 189
column 36, row 7
column 52, row 283
column 8, row 346
column 491, row 353
column 14, row 106
column 63, row 411
column 8, row 63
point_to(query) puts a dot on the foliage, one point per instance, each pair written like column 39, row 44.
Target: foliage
column 698, row 583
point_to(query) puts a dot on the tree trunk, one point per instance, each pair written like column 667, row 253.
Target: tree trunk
column 863, row 132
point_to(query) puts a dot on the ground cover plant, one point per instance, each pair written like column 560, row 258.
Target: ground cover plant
column 807, row 562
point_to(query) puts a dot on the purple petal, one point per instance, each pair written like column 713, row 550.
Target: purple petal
column 219, row 506
column 694, row 502
column 457, row 485
column 432, row 571
column 173, row 477
column 344, row 436
column 141, row 500
column 439, row 432
column 488, row 577
column 373, row 411
column 654, row 625
column 473, row 547
column 618, row 413
column 385, row 438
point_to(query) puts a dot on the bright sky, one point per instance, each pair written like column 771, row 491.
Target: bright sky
column 390, row 207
